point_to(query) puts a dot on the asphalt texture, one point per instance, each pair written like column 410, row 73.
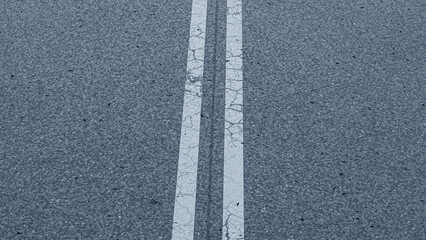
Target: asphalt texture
column 91, row 101
column 334, row 119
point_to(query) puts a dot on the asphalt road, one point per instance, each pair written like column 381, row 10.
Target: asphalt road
column 334, row 110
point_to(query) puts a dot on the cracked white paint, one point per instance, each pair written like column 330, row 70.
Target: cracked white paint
column 233, row 186
column 186, row 185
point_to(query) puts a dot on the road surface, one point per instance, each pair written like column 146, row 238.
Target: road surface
column 213, row 119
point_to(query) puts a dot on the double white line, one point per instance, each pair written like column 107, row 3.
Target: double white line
column 233, row 185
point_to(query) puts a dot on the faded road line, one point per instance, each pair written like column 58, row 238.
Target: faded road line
column 233, row 185
column 184, row 209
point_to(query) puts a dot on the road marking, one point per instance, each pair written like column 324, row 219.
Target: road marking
column 186, row 185
column 233, row 184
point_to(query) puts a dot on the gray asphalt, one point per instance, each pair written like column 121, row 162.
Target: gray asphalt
column 334, row 119
column 91, row 100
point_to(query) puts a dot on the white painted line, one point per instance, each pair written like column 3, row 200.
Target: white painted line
column 233, row 185
column 186, row 186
